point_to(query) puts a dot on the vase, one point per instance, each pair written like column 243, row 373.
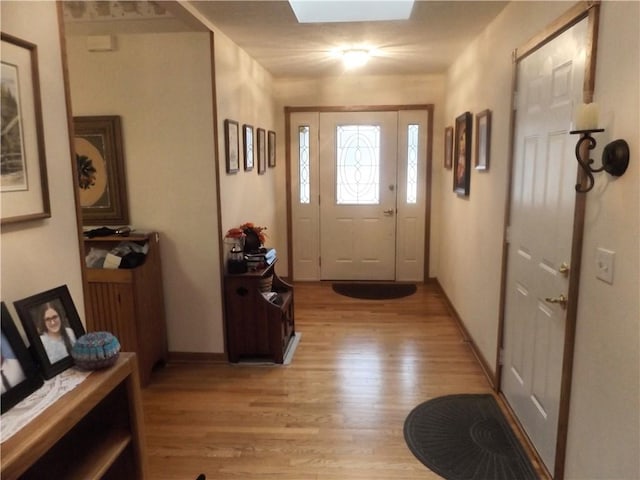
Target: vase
column 235, row 255
column 251, row 241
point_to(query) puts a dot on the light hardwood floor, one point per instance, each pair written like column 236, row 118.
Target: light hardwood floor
column 335, row 413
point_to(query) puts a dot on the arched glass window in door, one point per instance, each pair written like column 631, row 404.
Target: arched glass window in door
column 358, row 164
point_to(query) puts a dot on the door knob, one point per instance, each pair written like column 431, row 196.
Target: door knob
column 388, row 212
column 564, row 269
column 560, row 300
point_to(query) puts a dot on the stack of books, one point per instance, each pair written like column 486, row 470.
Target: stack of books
column 260, row 259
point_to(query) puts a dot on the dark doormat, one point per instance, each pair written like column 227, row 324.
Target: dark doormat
column 374, row 291
column 466, row 437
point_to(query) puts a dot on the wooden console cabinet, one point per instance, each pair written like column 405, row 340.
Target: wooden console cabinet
column 256, row 327
column 129, row 302
column 95, row 431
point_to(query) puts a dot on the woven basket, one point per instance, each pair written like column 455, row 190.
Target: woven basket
column 96, row 350
column 265, row 283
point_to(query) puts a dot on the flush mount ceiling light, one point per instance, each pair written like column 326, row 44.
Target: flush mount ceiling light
column 355, row 58
column 327, row 11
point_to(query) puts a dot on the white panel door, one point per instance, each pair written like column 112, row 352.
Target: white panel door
column 358, row 152
column 540, row 232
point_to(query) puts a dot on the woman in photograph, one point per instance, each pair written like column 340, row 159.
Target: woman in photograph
column 57, row 339
column 461, row 164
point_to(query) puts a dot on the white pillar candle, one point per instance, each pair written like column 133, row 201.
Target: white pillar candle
column 586, row 117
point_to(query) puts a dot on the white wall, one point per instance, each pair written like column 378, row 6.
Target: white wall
column 604, row 419
column 43, row 254
column 244, row 93
column 160, row 85
column 604, row 429
column 363, row 90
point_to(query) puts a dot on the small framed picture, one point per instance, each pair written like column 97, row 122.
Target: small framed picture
column 262, row 151
column 483, row 139
column 52, row 324
column 247, row 136
column 448, row 147
column 232, row 145
column 272, row 148
column 462, row 154
column 19, row 372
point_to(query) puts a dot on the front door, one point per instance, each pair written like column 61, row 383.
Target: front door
column 360, row 193
column 550, row 83
column 358, row 157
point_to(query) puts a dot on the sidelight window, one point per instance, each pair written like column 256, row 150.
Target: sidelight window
column 413, row 131
column 304, row 164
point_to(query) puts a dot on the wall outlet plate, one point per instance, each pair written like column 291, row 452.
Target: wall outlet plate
column 604, row 265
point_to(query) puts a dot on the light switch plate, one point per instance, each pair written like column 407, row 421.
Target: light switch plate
column 604, row 265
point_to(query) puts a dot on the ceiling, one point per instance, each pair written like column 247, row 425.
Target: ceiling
column 428, row 42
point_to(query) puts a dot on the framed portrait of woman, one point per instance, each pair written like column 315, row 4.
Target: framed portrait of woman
column 18, row 371
column 52, row 325
column 462, row 154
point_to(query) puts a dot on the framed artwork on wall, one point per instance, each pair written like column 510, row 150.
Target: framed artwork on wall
column 52, row 325
column 232, row 145
column 20, row 376
column 24, row 190
column 247, row 136
column 101, row 175
column 483, row 139
column 462, row 154
column 272, row 148
column 262, row 151
column 448, row 147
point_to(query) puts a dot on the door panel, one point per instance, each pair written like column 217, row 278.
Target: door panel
column 540, row 232
column 358, row 239
column 305, row 195
column 412, row 193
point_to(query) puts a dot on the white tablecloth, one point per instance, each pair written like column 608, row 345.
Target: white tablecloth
column 29, row 408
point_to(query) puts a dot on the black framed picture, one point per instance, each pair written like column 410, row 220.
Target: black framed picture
column 247, row 135
column 262, row 151
column 232, row 145
column 52, row 324
column 19, row 372
column 462, row 154
column 271, row 136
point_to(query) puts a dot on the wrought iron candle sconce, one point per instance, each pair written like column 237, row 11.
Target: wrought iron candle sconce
column 615, row 157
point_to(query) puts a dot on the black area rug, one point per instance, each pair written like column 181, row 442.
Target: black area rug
column 466, row 437
column 374, row 291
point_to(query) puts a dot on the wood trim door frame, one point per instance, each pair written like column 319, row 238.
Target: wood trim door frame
column 288, row 110
column 591, row 11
